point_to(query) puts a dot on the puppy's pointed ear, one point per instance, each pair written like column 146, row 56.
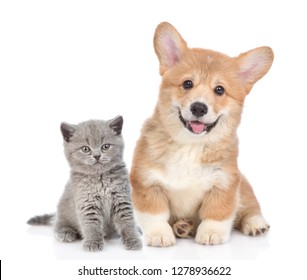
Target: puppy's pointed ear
column 116, row 124
column 67, row 130
column 254, row 64
column 169, row 46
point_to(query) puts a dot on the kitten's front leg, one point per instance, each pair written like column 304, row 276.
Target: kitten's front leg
column 91, row 222
column 125, row 224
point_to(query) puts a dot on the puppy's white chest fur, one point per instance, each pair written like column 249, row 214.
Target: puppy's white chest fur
column 183, row 169
column 187, row 179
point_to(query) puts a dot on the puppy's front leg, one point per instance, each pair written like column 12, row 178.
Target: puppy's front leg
column 152, row 214
column 217, row 214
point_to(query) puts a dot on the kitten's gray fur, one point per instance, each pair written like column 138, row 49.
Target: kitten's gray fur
column 96, row 202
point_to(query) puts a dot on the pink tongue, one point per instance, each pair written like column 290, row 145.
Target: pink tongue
column 197, row 127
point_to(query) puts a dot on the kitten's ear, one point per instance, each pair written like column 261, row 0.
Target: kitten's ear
column 169, row 46
column 116, row 124
column 67, row 130
column 254, row 64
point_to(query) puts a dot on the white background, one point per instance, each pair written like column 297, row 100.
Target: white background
column 77, row 60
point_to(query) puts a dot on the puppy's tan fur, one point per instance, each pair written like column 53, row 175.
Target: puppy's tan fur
column 178, row 174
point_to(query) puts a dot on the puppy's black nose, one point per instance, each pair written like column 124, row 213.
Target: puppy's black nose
column 199, row 109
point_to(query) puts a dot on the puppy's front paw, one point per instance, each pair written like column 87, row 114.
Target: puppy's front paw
column 93, row 245
column 211, row 232
column 161, row 236
column 255, row 225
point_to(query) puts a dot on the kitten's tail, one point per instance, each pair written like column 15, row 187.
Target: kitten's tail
column 46, row 219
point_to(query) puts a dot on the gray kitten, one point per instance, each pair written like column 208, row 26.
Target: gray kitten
column 96, row 201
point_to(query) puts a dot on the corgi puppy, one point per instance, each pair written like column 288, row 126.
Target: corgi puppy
column 185, row 177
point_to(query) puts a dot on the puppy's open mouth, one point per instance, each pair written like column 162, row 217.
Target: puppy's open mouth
column 197, row 127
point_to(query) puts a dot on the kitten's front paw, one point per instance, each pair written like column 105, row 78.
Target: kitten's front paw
column 66, row 235
column 212, row 232
column 133, row 244
column 162, row 236
column 255, row 225
column 93, row 245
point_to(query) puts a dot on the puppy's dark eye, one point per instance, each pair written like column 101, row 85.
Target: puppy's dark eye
column 219, row 90
column 188, row 84
column 105, row 147
column 85, row 149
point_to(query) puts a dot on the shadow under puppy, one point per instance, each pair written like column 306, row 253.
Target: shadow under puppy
column 96, row 202
column 185, row 175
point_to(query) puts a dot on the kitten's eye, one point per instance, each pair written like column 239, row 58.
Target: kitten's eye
column 85, row 149
column 105, row 147
column 219, row 90
column 188, row 84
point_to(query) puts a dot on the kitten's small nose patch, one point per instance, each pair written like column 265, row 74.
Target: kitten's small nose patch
column 97, row 157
